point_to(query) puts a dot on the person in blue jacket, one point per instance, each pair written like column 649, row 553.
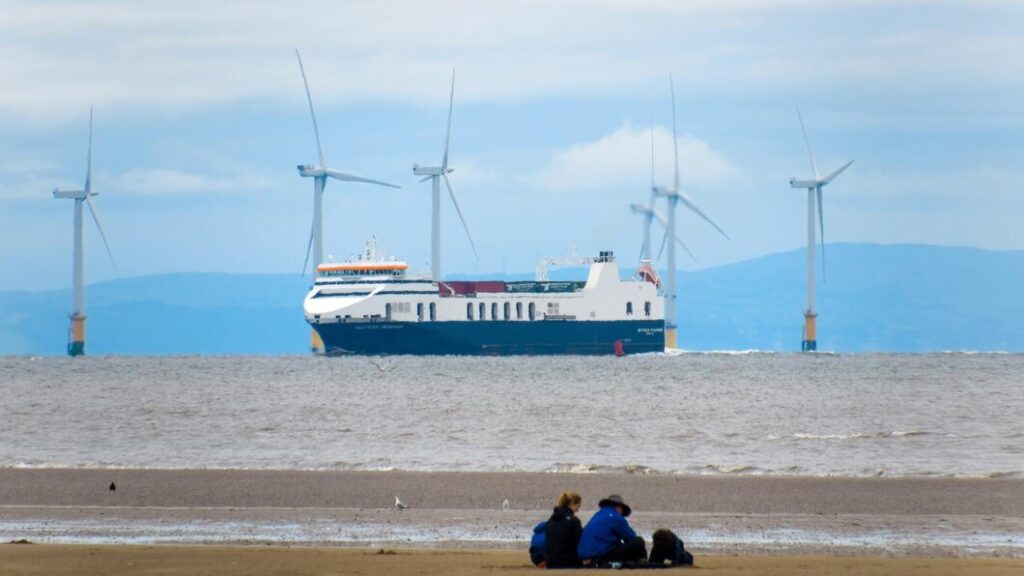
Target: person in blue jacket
column 608, row 537
column 539, row 544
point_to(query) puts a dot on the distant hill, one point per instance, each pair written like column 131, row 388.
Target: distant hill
column 897, row 298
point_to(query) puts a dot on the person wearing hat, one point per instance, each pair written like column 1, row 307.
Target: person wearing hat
column 608, row 537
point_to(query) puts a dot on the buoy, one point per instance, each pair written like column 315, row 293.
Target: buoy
column 618, row 348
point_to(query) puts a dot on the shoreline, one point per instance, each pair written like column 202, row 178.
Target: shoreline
column 33, row 560
column 907, row 517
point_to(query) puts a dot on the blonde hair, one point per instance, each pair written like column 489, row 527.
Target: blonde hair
column 569, row 498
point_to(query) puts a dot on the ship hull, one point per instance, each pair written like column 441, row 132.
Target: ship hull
column 493, row 338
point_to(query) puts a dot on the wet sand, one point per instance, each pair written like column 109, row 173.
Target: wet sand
column 33, row 560
column 716, row 515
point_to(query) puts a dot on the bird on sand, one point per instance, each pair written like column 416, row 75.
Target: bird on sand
column 398, row 505
column 113, row 487
column 505, row 505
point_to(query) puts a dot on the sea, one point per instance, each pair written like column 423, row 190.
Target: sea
column 726, row 413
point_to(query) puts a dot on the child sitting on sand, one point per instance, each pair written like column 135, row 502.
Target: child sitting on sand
column 667, row 546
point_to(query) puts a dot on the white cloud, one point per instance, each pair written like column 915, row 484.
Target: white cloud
column 57, row 56
column 165, row 181
column 622, row 160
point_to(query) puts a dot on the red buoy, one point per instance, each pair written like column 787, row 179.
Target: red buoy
column 618, row 348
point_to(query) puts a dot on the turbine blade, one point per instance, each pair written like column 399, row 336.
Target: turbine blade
column 689, row 204
column 680, row 242
column 96, row 219
column 664, row 225
column 346, row 177
column 309, row 248
column 652, row 159
column 832, row 176
column 425, row 178
column 88, row 161
column 448, row 132
column 814, row 165
column 664, row 237
column 675, row 138
column 821, row 223
column 455, row 201
column 309, row 98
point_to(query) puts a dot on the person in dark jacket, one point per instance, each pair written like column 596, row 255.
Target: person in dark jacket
column 665, row 545
column 563, row 532
column 539, row 544
column 608, row 537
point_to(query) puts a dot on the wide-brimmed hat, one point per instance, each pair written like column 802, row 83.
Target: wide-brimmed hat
column 616, row 500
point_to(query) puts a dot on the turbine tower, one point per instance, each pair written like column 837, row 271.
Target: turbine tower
column 810, row 338
column 76, row 343
column 675, row 196
column 435, row 174
column 320, row 173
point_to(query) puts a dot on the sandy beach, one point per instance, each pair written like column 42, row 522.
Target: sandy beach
column 66, row 511
column 32, row 560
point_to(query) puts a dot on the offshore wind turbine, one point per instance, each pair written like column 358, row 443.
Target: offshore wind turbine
column 320, row 173
column 76, row 342
column 435, row 174
column 675, row 196
column 809, row 342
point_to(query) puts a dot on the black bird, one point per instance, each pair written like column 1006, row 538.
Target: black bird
column 113, row 487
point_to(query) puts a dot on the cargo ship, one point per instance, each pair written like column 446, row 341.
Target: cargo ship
column 371, row 305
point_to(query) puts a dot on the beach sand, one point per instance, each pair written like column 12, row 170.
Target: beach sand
column 34, row 560
column 333, row 522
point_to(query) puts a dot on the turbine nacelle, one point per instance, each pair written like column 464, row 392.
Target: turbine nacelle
column 794, row 183
column 431, row 170
column 641, row 209
column 76, row 194
column 310, row 170
column 664, row 191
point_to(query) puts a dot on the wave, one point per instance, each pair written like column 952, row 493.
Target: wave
column 852, row 436
column 559, row 468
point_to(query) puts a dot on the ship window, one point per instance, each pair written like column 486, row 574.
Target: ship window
column 519, row 310
column 508, row 310
column 419, row 311
column 533, row 310
column 469, row 311
column 387, row 310
column 629, row 308
column 483, row 311
column 552, row 308
column 433, row 312
column 494, row 310
column 647, row 308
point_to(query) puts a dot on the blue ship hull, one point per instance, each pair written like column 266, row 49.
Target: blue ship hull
column 493, row 338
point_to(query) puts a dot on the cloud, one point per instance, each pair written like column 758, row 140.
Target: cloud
column 57, row 56
column 168, row 182
column 622, row 159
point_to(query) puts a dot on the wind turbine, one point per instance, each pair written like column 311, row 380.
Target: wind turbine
column 76, row 345
column 810, row 339
column 435, row 174
column 675, row 196
column 650, row 214
column 320, row 173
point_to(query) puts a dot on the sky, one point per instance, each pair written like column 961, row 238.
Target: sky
column 201, row 119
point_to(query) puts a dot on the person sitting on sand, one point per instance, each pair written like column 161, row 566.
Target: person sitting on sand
column 563, row 532
column 665, row 545
column 608, row 536
column 538, row 545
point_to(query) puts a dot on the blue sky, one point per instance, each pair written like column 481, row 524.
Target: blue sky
column 201, row 120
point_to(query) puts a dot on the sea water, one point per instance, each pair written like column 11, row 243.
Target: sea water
column 947, row 414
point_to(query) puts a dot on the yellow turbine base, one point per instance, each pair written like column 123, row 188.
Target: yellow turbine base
column 78, row 328
column 316, row 344
column 670, row 337
column 810, row 327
